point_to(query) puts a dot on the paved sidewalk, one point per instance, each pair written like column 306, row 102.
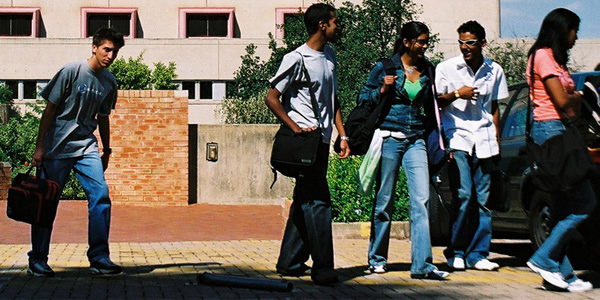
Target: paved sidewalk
column 157, row 267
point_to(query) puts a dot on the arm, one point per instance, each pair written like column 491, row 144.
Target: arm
column 465, row 92
column 377, row 84
column 339, row 125
column 275, row 106
column 45, row 122
column 559, row 96
column 104, row 130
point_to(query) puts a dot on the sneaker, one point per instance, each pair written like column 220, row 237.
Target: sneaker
column 105, row 266
column 579, row 286
column 296, row 272
column 39, row 269
column 327, row 277
column 433, row 275
column 554, row 278
column 485, row 265
column 457, row 263
column 380, row 269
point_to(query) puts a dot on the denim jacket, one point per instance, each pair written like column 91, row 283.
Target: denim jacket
column 403, row 115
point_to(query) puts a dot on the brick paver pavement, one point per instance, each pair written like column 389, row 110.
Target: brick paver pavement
column 168, row 269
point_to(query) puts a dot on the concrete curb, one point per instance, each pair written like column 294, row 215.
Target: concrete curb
column 362, row 230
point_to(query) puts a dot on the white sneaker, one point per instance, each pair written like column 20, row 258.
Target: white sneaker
column 486, row 265
column 579, row 286
column 378, row 269
column 458, row 263
column 554, row 278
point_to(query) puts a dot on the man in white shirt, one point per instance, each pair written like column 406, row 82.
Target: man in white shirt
column 469, row 86
column 308, row 229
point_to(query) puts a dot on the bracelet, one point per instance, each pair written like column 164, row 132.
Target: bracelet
column 457, row 94
column 107, row 151
column 344, row 138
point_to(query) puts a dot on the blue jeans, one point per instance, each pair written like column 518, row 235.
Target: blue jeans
column 412, row 154
column 471, row 221
column 88, row 170
column 308, row 229
column 567, row 210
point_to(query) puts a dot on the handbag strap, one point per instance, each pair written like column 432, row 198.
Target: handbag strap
column 528, row 119
column 436, row 108
column 313, row 98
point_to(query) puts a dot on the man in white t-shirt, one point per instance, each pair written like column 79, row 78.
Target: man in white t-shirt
column 470, row 86
column 308, row 230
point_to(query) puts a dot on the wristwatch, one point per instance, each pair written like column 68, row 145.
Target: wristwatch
column 456, row 94
column 344, row 138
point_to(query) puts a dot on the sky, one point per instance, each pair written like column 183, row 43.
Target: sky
column 523, row 18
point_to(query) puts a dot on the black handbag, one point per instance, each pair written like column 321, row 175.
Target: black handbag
column 437, row 155
column 498, row 199
column 32, row 200
column 294, row 154
column 562, row 161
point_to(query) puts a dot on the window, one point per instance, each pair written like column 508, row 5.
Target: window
column 23, row 89
column 19, row 22
column 121, row 19
column 204, row 89
column 283, row 16
column 515, row 121
column 205, row 22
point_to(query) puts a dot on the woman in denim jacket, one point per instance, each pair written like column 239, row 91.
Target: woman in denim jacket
column 400, row 135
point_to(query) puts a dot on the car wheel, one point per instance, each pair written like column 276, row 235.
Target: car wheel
column 438, row 218
column 539, row 218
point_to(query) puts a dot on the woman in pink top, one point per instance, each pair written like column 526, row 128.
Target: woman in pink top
column 554, row 98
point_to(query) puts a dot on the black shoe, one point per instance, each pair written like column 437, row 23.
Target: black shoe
column 105, row 266
column 296, row 272
column 39, row 269
column 328, row 277
column 433, row 275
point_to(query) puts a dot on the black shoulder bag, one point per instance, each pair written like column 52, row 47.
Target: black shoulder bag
column 563, row 160
column 294, row 154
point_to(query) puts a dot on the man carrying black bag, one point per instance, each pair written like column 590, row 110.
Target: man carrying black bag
column 308, row 230
column 79, row 98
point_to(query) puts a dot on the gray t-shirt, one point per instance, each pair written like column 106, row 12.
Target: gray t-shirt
column 291, row 82
column 80, row 95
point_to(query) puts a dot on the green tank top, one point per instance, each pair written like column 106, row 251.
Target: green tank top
column 412, row 88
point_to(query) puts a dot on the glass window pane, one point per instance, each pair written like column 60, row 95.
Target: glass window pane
column 30, row 89
column 14, row 87
column 21, row 25
column 121, row 23
column 217, row 25
column 197, row 25
column 205, row 89
column 5, row 24
column 95, row 22
column 207, row 25
column 189, row 86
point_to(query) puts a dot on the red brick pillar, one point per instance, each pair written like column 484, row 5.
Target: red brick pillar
column 5, row 179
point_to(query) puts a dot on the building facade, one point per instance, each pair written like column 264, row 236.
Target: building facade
column 205, row 38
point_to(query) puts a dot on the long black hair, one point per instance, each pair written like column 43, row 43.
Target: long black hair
column 410, row 31
column 554, row 33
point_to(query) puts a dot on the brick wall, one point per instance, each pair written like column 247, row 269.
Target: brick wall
column 149, row 138
column 5, row 179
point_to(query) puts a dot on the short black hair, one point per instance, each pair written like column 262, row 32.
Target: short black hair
column 108, row 34
column 472, row 27
column 315, row 14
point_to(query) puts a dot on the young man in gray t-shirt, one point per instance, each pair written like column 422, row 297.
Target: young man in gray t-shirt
column 79, row 98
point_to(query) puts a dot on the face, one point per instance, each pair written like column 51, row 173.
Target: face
column 473, row 51
column 105, row 53
column 332, row 28
column 418, row 46
column 571, row 38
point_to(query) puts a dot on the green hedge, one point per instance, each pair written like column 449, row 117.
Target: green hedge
column 347, row 205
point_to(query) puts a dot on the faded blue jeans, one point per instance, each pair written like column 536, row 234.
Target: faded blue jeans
column 412, row 154
column 567, row 210
column 471, row 221
column 88, row 170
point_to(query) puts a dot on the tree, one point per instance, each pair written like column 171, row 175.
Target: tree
column 134, row 74
column 512, row 56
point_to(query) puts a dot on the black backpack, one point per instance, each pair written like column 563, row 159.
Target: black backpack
column 362, row 121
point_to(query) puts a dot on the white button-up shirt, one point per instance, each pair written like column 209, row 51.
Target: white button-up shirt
column 468, row 124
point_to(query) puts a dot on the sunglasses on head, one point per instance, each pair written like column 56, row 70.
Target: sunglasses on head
column 468, row 42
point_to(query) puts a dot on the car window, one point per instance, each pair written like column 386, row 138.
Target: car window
column 515, row 120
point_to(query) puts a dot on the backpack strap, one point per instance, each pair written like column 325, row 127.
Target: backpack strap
column 388, row 66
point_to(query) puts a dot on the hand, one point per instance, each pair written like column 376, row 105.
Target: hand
column 345, row 149
column 39, row 156
column 388, row 80
column 300, row 130
column 468, row 92
column 105, row 157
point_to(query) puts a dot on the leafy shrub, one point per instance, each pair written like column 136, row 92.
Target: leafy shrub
column 134, row 74
column 6, row 94
column 247, row 111
column 512, row 57
column 348, row 206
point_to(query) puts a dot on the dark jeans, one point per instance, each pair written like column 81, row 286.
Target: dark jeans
column 308, row 229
